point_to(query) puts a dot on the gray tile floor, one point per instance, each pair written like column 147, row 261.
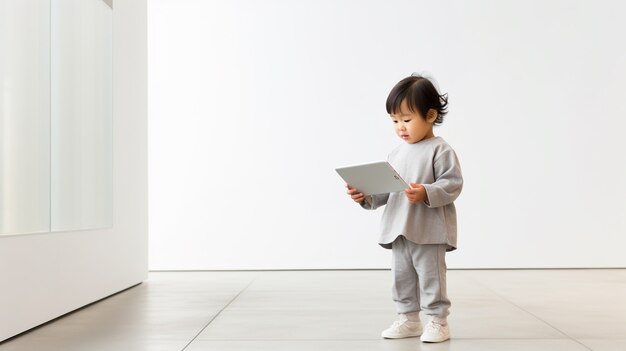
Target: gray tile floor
column 343, row 310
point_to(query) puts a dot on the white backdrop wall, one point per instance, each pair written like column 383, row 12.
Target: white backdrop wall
column 253, row 103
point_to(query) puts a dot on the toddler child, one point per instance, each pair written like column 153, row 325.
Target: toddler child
column 419, row 225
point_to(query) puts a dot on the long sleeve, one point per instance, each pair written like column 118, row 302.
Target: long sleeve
column 448, row 180
column 377, row 201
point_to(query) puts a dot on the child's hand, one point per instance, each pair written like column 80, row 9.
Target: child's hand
column 416, row 193
column 356, row 195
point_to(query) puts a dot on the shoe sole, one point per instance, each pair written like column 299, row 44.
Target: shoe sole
column 402, row 336
column 433, row 341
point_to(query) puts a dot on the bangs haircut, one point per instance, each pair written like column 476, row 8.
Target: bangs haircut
column 420, row 95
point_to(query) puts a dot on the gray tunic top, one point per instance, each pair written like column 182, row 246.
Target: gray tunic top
column 433, row 163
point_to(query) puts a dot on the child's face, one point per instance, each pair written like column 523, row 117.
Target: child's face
column 410, row 126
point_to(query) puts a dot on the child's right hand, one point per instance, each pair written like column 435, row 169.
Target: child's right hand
column 356, row 195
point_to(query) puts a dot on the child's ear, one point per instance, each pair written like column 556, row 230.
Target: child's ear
column 431, row 116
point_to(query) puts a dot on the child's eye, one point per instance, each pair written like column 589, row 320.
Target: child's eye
column 395, row 121
column 407, row 120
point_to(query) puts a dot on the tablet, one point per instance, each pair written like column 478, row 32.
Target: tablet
column 373, row 178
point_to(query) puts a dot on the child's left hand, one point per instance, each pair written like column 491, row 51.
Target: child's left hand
column 416, row 193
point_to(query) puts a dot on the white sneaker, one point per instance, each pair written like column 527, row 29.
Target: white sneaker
column 435, row 332
column 403, row 328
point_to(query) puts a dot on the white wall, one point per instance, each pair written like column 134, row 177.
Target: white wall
column 47, row 275
column 253, row 103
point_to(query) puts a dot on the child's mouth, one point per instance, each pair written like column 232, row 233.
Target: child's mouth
column 404, row 136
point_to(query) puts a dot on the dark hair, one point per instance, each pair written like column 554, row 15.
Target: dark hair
column 420, row 95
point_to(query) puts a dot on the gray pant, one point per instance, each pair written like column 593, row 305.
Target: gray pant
column 419, row 278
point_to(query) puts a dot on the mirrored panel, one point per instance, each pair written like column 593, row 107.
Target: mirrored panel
column 81, row 115
column 24, row 116
column 56, row 143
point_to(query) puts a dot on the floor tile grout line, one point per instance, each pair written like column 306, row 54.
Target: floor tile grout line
column 217, row 314
column 534, row 315
column 379, row 339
